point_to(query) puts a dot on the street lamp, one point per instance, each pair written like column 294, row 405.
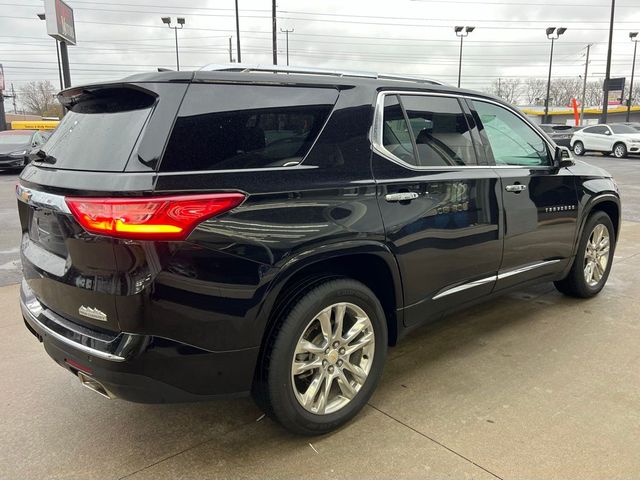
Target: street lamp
column 42, row 16
column 462, row 32
column 634, row 38
column 180, row 20
column 553, row 34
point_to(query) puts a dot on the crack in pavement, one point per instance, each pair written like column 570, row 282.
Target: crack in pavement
column 435, row 441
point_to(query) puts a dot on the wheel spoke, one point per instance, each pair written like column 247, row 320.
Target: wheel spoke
column 325, row 324
column 362, row 342
column 358, row 373
column 324, row 396
column 345, row 387
column 356, row 329
column 339, row 311
column 310, row 395
column 305, row 346
column 302, row 367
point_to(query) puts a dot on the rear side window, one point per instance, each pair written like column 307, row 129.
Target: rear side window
column 598, row 130
column 440, row 131
column 222, row 127
column 99, row 131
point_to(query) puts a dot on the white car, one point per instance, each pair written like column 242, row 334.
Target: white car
column 617, row 139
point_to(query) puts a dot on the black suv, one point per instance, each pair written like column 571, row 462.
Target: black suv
column 193, row 234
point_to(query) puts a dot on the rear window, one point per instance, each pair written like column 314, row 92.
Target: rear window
column 222, row 127
column 99, row 131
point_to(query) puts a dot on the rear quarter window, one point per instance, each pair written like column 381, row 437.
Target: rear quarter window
column 225, row 127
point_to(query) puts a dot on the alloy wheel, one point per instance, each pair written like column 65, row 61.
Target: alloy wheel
column 333, row 358
column 596, row 258
column 619, row 151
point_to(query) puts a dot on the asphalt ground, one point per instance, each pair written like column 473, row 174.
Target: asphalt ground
column 531, row 385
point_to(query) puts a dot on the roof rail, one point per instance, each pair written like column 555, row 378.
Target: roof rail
column 407, row 78
column 240, row 67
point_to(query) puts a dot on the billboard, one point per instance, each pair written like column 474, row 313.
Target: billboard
column 59, row 17
column 1, row 78
column 615, row 91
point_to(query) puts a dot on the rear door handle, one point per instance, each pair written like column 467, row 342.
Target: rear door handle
column 401, row 196
column 515, row 188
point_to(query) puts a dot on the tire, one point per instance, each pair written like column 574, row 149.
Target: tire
column 282, row 393
column 620, row 150
column 575, row 284
column 578, row 148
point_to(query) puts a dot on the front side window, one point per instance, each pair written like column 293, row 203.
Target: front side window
column 511, row 140
column 440, row 130
column 222, row 127
column 623, row 129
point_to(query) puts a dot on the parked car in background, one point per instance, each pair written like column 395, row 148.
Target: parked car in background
column 615, row 138
column 192, row 234
column 16, row 146
column 635, row 125
column 560, row 134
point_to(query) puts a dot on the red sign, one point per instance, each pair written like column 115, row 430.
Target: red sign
column 60, row 24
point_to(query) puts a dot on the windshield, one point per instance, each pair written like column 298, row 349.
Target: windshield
column 12, row 139
column 623, row 129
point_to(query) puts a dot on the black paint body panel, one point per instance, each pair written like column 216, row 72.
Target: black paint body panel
column 216, row 291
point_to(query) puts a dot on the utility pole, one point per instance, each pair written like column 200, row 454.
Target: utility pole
column 230, row 50
column 605, row 99
column 584, row 84
column 274, row 32
column 238, row 33
column 287, row 32
column 13, row 96
column 634, row 38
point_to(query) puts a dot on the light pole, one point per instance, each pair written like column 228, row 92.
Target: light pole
column 584, row 84
column 634, row 38
column 180, row 20
column 42, row 16
column 287, row 32
column 552, row 34
column 462, row 32
column 607, row 75
column 238, row 33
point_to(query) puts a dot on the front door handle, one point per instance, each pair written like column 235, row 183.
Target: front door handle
column 515, row 188
column 401, row 196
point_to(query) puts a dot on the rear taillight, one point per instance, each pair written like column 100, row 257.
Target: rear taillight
column 150, row 218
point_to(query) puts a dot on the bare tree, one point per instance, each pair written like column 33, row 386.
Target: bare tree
column 508, row 89
column 38, row 97
column 534, row 90
column 563, row 90
column 593, row 97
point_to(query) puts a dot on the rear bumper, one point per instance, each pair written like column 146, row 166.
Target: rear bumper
column 139, row 368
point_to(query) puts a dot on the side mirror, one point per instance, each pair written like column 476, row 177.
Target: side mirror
column 562, row 157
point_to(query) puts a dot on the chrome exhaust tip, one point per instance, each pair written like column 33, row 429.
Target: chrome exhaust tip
column 93, row 385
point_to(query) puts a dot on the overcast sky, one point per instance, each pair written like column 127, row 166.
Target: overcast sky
column 401, row 36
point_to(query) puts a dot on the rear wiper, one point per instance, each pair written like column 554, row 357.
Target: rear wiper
column 43, row 157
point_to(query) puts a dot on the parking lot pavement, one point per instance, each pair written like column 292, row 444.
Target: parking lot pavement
column 9, row 230
column 531, row 385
